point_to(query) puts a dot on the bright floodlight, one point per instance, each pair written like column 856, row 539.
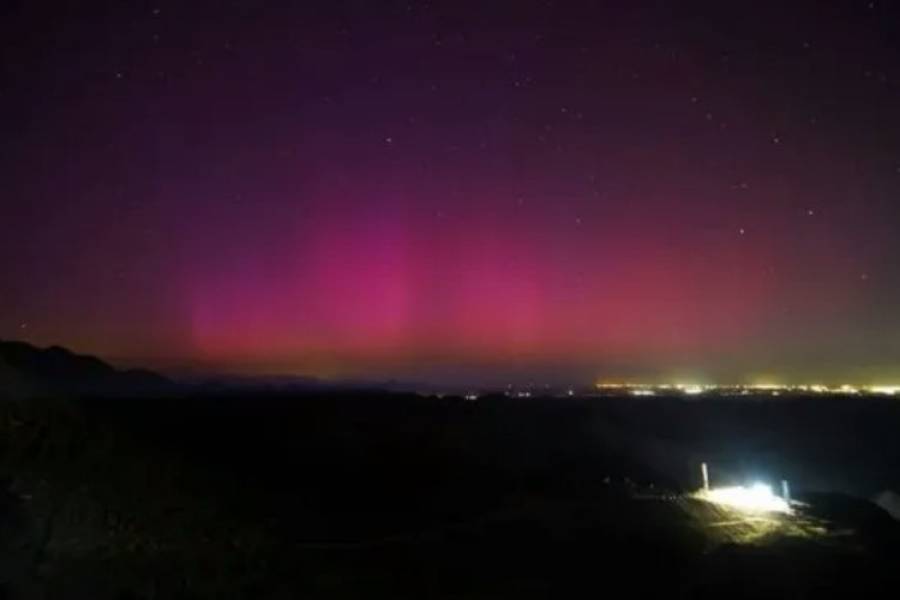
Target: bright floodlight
column 757, row 498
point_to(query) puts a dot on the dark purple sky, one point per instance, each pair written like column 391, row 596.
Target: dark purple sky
column 454, row 189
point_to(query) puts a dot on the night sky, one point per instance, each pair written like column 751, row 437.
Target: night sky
column 454, row 190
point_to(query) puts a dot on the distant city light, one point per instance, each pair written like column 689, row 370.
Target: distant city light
column 770, row 389
column 692, row 390
column 888, row 390
column 766, row 387
column 612, row 386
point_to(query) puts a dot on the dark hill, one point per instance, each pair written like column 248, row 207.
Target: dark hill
column 26, row 370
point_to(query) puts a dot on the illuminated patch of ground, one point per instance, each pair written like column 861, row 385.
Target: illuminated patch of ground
column 724, row 524
column 757, row 499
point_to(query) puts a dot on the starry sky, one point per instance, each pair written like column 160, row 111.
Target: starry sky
column 456, row 190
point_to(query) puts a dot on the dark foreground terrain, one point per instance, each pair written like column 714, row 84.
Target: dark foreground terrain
column 375, row 495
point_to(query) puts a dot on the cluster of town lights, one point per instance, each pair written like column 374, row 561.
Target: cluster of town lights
column 692, row 389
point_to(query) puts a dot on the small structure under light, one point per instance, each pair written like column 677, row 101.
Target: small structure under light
column 756, row 498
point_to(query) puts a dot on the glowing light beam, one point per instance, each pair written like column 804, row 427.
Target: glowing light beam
column 757, row 498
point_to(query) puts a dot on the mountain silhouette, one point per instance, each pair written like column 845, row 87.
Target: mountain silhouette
column 26, row 370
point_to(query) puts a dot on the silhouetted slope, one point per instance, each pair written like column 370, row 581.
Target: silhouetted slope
column 26, row 370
